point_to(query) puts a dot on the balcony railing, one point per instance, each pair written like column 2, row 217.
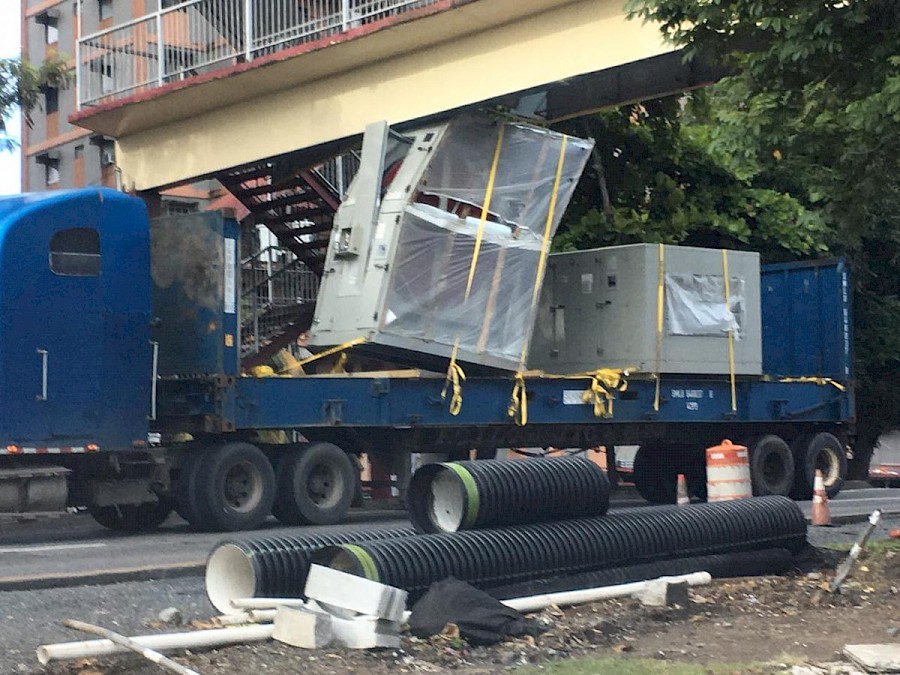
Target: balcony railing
column 189, row 38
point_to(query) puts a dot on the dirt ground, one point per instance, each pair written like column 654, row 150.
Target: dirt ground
column 757, row 625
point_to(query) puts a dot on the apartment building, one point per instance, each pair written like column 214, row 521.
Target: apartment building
column 56, row 154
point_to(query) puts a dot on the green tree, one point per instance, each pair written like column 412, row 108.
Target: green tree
column 814, row 109
column 653, row 179
column 21, row 85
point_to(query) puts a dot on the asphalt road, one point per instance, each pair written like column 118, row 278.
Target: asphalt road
column 41, row 557
column 74, row 550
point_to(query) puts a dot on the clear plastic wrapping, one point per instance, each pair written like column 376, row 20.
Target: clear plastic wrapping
column 436, row 294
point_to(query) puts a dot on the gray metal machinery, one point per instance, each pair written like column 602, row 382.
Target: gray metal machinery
column 439, row 246
column 600, row 308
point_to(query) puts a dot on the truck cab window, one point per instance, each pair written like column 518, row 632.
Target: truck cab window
column 75, row 252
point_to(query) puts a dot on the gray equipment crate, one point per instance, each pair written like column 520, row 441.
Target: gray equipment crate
column 407, row 268
column 599, row 309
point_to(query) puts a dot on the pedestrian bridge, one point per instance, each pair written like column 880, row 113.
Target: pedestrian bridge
column 199, row 88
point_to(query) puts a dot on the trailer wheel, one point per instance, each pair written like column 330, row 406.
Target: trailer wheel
column 316, row 485
column 187, row 499
column 656, row 469
column 654, row 476
column 235, row 487
column 771, row 466
column 822, row 451
column 133, row 517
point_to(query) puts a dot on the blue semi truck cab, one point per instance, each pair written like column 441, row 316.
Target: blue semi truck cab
column 122, row 388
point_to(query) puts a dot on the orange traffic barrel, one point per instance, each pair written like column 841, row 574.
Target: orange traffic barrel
column 728, row 472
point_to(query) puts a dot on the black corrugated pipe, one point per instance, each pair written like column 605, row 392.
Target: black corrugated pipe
column 486, row 558
column 453, row 496
column 274, row 566
column 721, row 566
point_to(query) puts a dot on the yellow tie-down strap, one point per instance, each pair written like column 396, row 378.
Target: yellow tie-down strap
column 321, row 355
column 601, row 393
column 455, row 377
column 821, row 381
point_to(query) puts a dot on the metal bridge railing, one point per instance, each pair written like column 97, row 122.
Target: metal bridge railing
column 189, row 38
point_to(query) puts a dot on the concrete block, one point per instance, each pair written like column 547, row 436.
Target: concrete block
column 879, row 658
column 362, row 632
column 349, row 592
column 366, row 632
column 662, row 593
column 301, row 627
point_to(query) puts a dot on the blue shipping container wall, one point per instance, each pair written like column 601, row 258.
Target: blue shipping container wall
column 806, row 322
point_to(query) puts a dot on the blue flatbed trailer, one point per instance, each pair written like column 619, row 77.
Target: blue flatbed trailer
column 89, row 369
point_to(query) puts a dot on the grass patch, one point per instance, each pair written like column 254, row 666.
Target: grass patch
column 635, row 666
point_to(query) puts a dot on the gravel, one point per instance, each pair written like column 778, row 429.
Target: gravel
column 32, row 618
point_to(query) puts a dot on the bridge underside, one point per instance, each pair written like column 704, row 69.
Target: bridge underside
column 546, row 58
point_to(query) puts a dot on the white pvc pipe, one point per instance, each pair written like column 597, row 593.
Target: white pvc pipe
column 215, row 637
column 536, row 602
column 266, row 603
column 263, row 615
column 238, row 619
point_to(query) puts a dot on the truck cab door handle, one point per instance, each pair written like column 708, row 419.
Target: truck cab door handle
column 44, row 354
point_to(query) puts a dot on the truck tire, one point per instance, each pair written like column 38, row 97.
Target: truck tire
column 822, row 451
column 656, row 469
column 316, row 484
column 771, row 466
column 133, row 517
column 235, row 488
column 187, row 502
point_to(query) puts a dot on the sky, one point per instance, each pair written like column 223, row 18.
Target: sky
column 10, row 166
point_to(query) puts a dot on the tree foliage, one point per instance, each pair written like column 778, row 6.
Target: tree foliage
column 653, row 179
column 21, row 86
column 813, row 111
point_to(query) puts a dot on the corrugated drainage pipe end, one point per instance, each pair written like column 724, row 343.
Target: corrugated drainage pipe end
column 229, row 575
column 442, row 498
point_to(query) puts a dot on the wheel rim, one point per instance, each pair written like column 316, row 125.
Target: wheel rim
column 243, row 487
column 322, row 485
column 829, row 464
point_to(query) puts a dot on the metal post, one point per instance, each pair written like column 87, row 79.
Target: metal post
column 153, row 382
column 78, row 83
column 248, row 30
column 339, row 176
column 160, row 46
column 345, row 14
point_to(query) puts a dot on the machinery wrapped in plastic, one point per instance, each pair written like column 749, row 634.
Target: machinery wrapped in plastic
column 448, row 256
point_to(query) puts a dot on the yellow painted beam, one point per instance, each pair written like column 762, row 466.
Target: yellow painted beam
column 465, row 55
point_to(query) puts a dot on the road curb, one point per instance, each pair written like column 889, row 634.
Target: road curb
column 102, row 577
column 859, row 517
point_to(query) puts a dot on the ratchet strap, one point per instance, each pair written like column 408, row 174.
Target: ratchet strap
column 518, row 402
column 730, row 331
column 455, row 374
column 321, row 355
column 660, row 313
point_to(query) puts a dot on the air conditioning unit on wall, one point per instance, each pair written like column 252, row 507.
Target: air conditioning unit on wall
column 107, row 157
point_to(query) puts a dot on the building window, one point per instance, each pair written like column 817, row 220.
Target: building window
column 49, row 19
column 79, row 151
column 51, row 100
column 106, row 9
column 178, row 208
column 107, row 154
column 75, row 252
column 51, row 174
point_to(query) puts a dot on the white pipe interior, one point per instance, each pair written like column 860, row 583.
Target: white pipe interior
column 229, row 575
column 447, row 501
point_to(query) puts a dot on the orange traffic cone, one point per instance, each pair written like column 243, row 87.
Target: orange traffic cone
column 681, row 494
column 820, row 513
